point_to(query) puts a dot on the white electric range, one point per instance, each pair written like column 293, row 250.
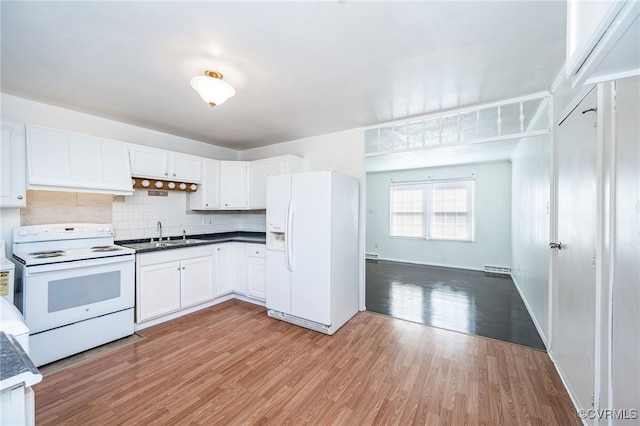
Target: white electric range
column 74, row 287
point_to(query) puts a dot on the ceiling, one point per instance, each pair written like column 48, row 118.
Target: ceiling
column 300, row 68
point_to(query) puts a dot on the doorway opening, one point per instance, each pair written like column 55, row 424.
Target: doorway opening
column 466, row 262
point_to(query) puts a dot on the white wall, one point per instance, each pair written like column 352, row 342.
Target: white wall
column 340, row 151
column 492, row 245
column 530, row 226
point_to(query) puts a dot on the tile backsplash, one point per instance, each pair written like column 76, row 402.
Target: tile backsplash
column 45, row 207
column 137, row 216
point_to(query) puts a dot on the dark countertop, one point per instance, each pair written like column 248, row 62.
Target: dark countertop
column 17, row 367
column 216, row 238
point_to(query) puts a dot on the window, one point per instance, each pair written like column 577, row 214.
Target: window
column 441, row 210
column 407, row 210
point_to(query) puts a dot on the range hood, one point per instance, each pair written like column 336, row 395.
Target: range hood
column 58, row 160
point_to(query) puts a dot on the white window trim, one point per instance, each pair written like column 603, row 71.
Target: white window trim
column 427, row 210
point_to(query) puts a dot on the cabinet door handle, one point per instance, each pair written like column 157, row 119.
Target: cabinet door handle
column 19, row 197
column 183, row 267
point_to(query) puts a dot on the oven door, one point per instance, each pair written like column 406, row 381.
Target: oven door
column 64, row 293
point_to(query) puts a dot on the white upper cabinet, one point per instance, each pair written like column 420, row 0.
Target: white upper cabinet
column 65, row 161
column 165, row 165
column 149, row 162
column 12, row 163
column 234, row 189
column 260, row 169
column 207, row 197
column 185, row 167
column 240, row 185
column 603, row 40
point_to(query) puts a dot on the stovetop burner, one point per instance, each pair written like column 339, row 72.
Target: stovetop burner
column 105, row 248
column 62, row 244
column 47, row 253
column 44, row 255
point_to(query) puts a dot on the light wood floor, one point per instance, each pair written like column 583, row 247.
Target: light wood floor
column 231, row 364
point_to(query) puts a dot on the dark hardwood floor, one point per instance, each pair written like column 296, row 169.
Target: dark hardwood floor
column 471, row 302
column 233, row 365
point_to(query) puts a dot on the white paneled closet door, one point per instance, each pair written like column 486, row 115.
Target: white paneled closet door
column 625, row 350
column 575, row 324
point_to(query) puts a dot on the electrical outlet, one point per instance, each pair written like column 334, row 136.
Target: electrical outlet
column 207, row 221
column 376, row 245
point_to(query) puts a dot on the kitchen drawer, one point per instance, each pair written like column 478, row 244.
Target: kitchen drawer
column 255, row 250
column 173, row 255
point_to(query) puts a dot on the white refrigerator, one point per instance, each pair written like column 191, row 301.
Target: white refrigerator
column 312, row 249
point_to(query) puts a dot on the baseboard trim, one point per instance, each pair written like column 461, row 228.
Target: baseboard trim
column 542, row 334
column 442, row 265
column 187, row 311
column 585, row 421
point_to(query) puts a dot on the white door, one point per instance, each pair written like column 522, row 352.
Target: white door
column 278, row 295
column 158, row 290
column 255, row 275
column 185, row 167
column 258, row 171
column 233, row 191
column 224, row 268
column 148, row 162
column 196, row 278
column 574, row 347
column 12, row 166
column 311, row 246
column 626, row 288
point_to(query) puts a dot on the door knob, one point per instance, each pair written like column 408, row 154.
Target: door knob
column 555, row 245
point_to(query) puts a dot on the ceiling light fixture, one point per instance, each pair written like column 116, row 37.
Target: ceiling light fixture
column 212, row 89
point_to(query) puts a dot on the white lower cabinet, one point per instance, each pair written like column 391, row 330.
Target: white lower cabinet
column 196, row 281
column 240, row 269
column 255, row 271
column 226, row 267
column 158, row 290
column 170, row 280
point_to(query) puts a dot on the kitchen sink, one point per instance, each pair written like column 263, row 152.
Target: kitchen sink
column 168, row 243
column 182, row 242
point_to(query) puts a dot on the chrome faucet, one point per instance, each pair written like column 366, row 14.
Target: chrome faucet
column 159, row 229
column 184, row 234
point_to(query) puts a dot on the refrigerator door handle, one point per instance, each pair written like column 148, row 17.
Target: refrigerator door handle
column 288, row 236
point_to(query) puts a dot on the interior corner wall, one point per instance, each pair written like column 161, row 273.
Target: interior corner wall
column 530, row 226
column 492, row 245
column 340, row 151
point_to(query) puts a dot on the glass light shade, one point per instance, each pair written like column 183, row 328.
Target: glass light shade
column 212, row 90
